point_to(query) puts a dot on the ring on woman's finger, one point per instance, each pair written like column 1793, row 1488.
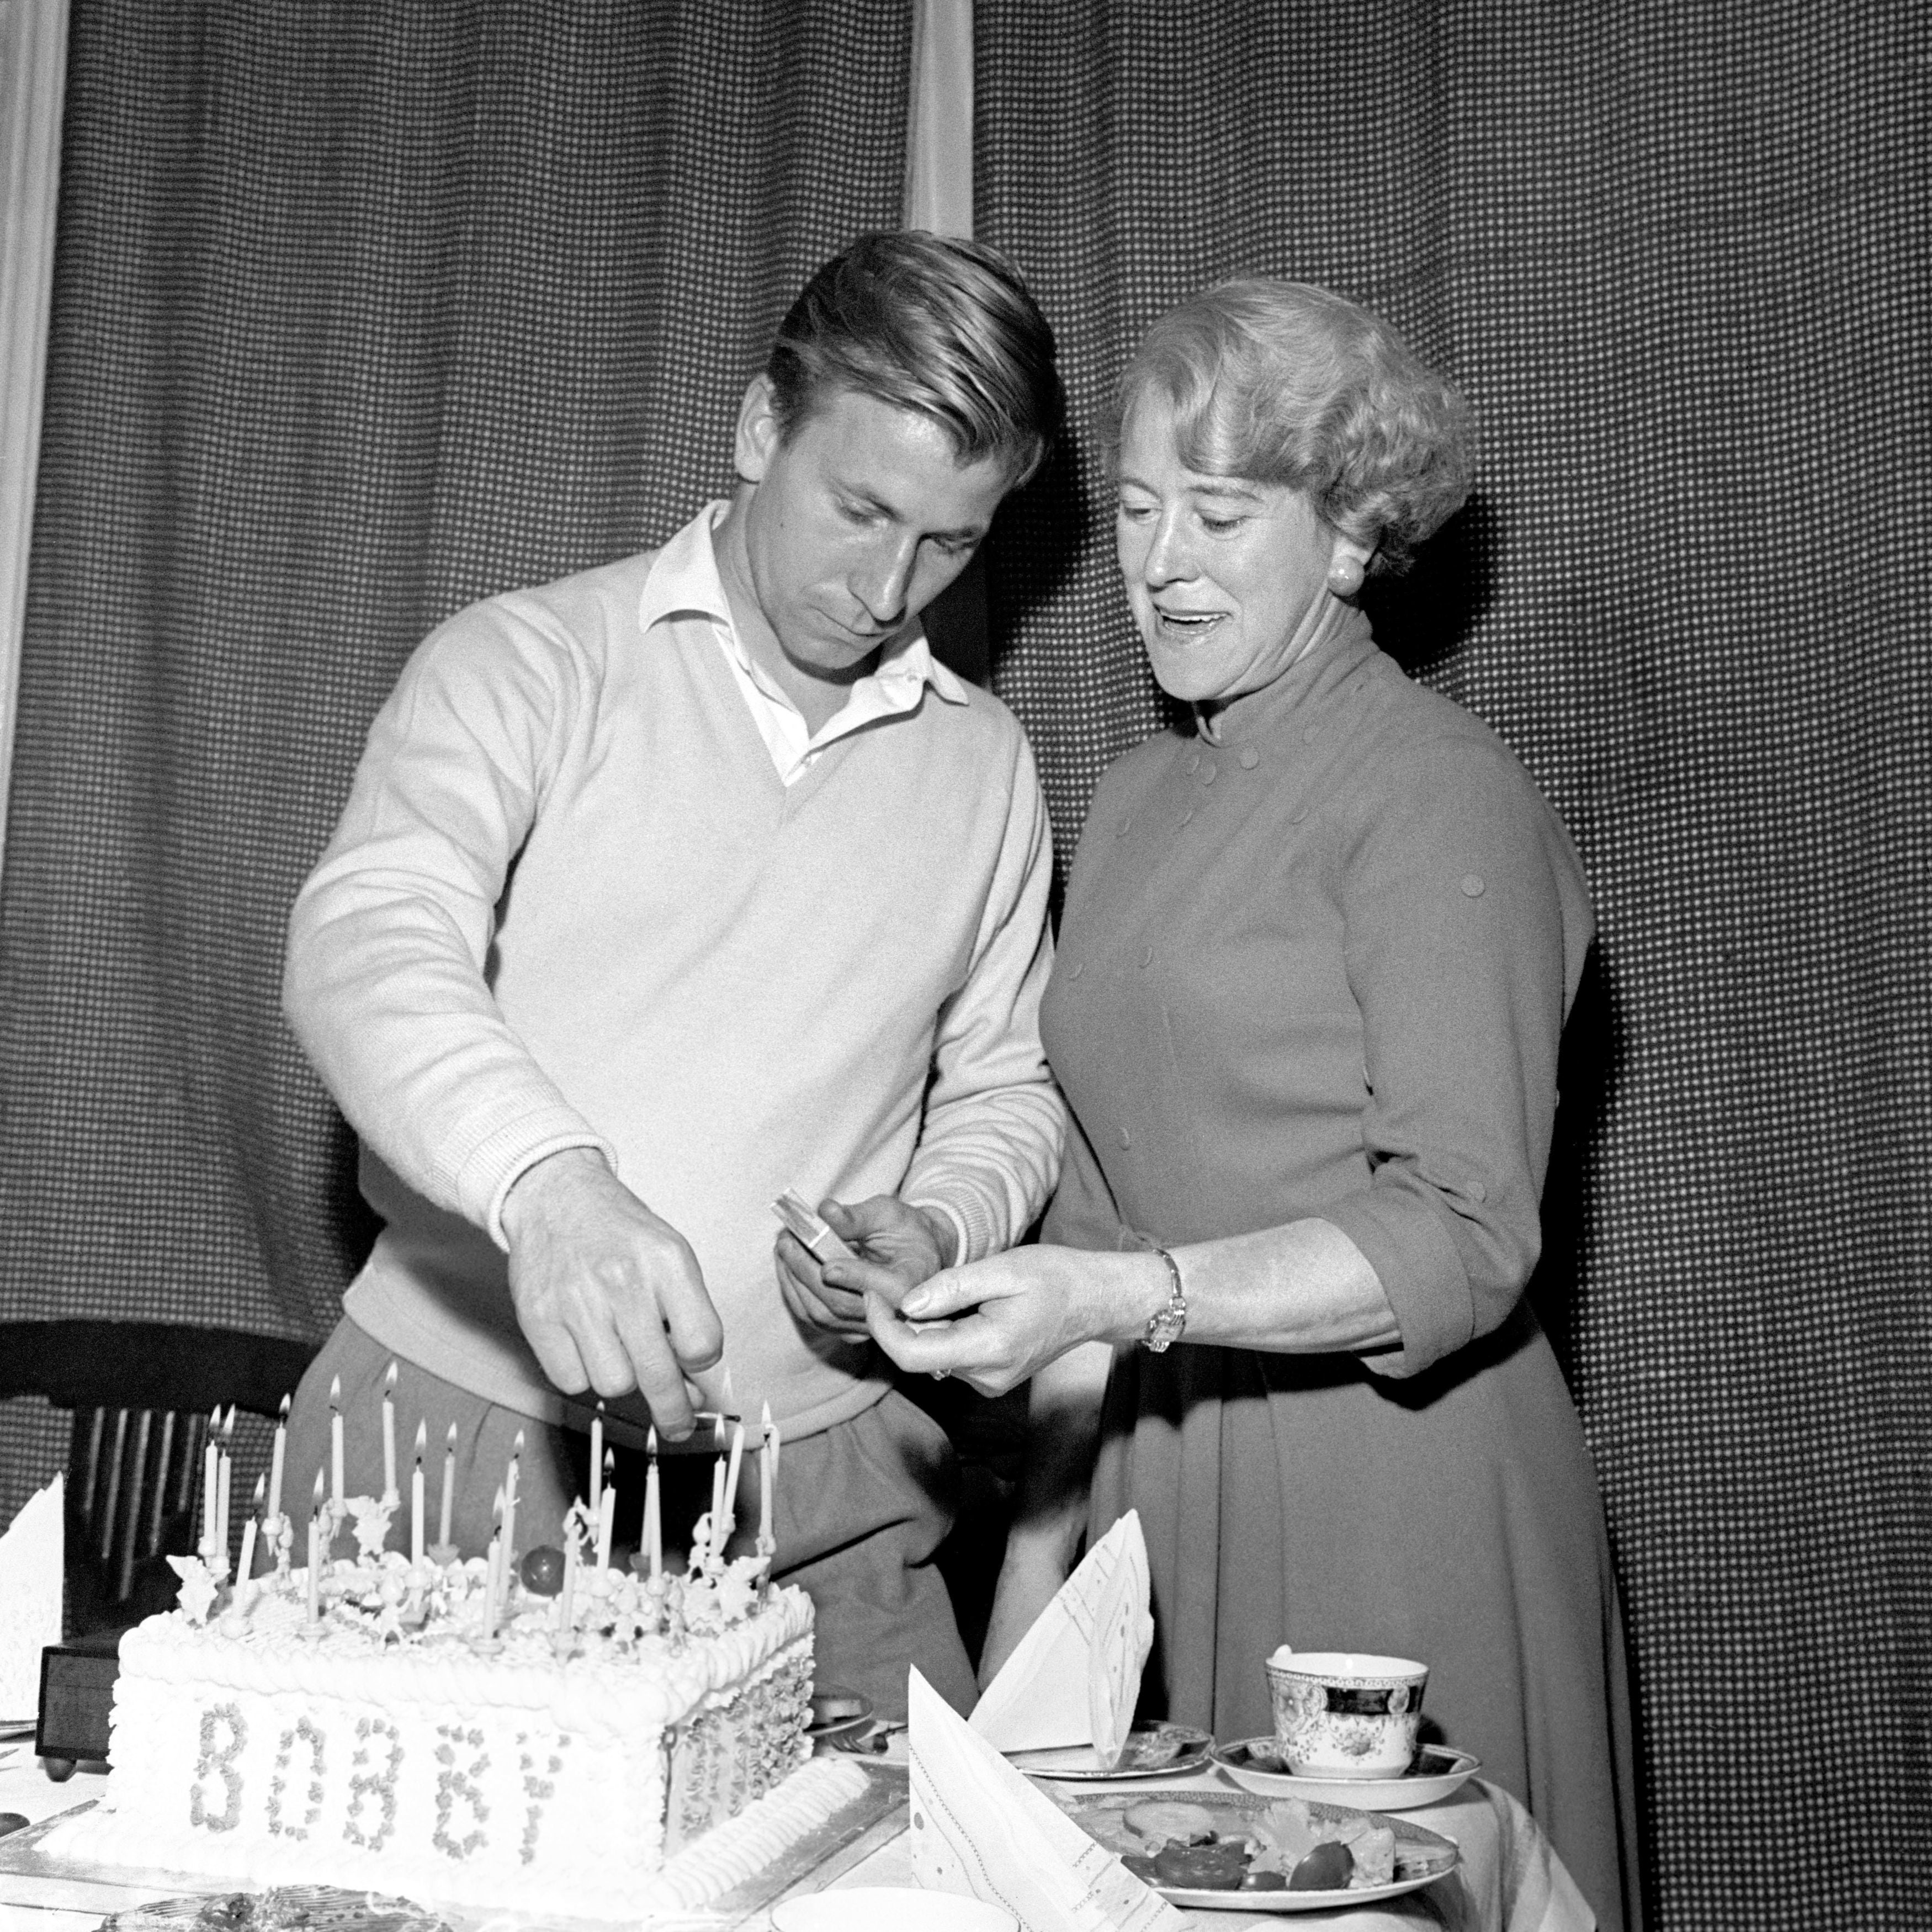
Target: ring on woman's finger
column 939, row 1375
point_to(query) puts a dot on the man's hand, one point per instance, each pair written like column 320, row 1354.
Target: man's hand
column 610, row 1297
column 896, row 1247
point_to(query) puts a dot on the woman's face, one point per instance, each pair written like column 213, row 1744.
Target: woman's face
column 1227, row 581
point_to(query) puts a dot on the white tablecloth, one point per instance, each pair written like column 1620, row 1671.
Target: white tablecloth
column 1510, row 1880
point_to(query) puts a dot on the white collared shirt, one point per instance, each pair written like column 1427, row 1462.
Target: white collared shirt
column 685, row 580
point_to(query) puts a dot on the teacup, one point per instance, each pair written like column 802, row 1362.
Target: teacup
column 1340, row 1713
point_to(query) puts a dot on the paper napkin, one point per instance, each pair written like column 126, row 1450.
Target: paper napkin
column 1076, row 1676
column 980, row 1828
column 31, row 1554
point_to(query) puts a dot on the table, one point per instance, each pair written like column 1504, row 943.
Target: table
column 1510, row 1880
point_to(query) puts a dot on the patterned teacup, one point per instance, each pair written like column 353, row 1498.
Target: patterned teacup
column 1338, row 1714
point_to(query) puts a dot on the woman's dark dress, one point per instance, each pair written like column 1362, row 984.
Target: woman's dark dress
column 1318, row 965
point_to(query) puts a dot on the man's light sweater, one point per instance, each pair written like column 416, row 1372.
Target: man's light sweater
column 730, row 985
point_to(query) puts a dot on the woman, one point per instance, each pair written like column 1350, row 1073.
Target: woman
column 1315, row 959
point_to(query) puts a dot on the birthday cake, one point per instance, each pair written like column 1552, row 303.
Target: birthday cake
column 636, row 1745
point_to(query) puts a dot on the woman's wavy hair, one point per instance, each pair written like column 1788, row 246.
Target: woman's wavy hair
column 1284, row 383
column 940, row 326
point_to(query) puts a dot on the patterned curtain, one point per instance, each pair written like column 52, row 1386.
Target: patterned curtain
column 361, row 311
column 1677, row 254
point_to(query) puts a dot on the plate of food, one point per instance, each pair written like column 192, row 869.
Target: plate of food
column 1236, row 1852
column 1150, row 1750
column 1256, row 1765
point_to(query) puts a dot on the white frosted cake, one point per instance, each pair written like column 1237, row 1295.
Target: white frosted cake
column 397, row 1736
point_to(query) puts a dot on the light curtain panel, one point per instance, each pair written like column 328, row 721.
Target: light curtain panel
column 33, row 70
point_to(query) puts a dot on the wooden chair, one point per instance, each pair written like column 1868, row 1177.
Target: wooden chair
column 132, row 1501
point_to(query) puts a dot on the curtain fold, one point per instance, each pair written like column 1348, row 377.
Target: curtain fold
column 1678, row 256
column 360, row 312
column 33, row 59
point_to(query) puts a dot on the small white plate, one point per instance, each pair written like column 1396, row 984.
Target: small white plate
column 1448, row 1771
column 1151, row 1751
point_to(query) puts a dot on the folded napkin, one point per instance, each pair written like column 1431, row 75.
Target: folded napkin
column 1076, row 1676
column 31, row 1554
column 980, row 1828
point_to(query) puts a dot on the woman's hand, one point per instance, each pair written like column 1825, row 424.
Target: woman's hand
column 996, row 1322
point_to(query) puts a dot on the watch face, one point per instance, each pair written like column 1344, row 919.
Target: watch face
column 1164, row 1329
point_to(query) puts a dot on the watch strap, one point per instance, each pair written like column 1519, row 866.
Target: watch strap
column 1166, row 1328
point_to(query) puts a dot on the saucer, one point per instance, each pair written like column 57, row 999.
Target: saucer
column 1151, row 1751
column 1444, row 1772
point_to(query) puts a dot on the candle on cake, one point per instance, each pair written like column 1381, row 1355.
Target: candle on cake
column 597, row 1460
column 389, row 1495
column 224, row 1471
column 315, row 1554
column 211, row 1484
column 730, row 1517
column 492, row 1575
column 510, row 1515
column 448, row 1491
column 653, row 1509
column 566, row 1602
column 712, row 1544
column 416, row 1496
column 278, row 1461
column 768, row 1476
column 245, row 1570
column 337, row 1502
column 607, row 1511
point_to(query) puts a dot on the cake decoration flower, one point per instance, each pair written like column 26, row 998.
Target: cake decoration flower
column 372, row 1517
column 198, row 1587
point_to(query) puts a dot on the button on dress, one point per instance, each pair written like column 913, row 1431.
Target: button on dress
column 1333, row 984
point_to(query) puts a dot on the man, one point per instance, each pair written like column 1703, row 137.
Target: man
column 676, row 884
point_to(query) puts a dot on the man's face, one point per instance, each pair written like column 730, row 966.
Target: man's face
column 853, row 525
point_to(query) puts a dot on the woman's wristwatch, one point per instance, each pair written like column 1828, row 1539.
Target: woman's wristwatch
column 1164, row 1329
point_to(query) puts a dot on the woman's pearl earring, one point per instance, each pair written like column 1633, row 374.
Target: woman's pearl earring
column 1345, row 576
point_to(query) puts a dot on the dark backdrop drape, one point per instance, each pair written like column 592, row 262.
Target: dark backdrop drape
column 1678, row 256
column 361, row 312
